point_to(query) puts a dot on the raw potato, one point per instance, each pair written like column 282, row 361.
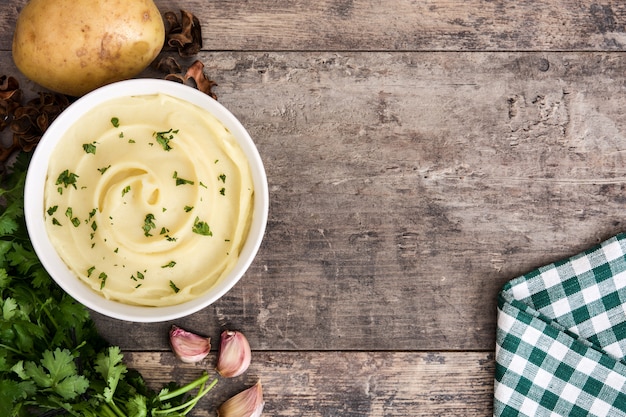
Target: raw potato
column 75, row 46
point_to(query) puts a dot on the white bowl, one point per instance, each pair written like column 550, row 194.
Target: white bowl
column 34, row 202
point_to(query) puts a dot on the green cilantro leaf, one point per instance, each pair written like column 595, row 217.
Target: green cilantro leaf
column 7, row 225
column 109, row 365
column 58, row 373
column 137, row 406
column 12, row 391
column 5, row 279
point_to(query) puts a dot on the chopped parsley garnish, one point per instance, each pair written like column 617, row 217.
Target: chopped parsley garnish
column 181, row 181
column 171, row 264
column 174, row 287
column 66, row 178
column 164, row 138
column 188, row 209
column 131, row 141
column 56, row 222
column 138, row 277
column 103, row 279
column 103, row 170
column 94, row 226
column 52, row 210
column 90, row 271
column 115, row 122
column 148, row 224
column 201, row 228
column 69, row 215
column 222, row 178
column 125, row 190
column 90, row 147
column 202, row 185
column 223, row 191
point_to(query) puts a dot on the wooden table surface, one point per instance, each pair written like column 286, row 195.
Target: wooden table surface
column 420, row 154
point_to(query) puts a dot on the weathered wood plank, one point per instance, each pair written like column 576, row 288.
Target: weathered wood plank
column 346, row 384
column 406, row 25
column 399, row 25
column 407, row 188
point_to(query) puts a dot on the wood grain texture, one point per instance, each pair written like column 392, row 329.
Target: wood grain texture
column 343, row 383
column 408, row 25
column 407, row 188
column 398, row 25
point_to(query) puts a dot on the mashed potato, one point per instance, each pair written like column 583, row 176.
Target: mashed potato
column 148, row 200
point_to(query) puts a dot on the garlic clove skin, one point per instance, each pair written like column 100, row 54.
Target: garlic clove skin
column 248, row 403
column 189, row 347
column 234, row 355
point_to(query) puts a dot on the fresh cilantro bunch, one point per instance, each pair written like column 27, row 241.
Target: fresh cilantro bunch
column 52, row 360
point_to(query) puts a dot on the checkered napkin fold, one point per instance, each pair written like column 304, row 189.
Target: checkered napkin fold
column 561, row 337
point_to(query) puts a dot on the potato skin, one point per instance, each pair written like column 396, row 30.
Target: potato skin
column 75, row 46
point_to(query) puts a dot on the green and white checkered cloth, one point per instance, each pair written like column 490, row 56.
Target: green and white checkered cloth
column 561, row 337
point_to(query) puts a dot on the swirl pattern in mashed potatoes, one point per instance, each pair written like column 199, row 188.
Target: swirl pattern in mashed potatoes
column 148, row 200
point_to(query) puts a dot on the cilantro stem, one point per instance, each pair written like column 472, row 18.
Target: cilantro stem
column 106, row 411
column 9, row 348
column 49, row 315
column 201, row 393
column 176, row 393
column 116, row 410
column 44, row 307
column 189, row 405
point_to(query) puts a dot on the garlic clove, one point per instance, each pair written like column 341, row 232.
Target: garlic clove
column 187, row 346
column 248, row 403
column 234, row 355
